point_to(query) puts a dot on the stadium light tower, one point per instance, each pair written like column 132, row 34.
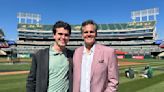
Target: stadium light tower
column 32, row 17
column 145, row 13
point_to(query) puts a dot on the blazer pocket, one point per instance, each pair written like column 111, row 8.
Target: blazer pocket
column 101, row 61
column 100, row 67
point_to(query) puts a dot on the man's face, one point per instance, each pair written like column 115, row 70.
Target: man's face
column 61, row 37
column 89, row 34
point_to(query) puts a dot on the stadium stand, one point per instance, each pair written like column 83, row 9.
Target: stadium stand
column 2, row 43
column 161, row 45
column 135, row 38
column 1, row 33
column 5, row 50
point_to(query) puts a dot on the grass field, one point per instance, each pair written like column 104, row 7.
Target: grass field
column 139, row 84
column 16, row 83
column 14, row 67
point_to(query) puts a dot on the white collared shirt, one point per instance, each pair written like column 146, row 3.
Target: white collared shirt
column 87, row 59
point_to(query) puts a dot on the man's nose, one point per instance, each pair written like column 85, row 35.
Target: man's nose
column 63, row 36
column 89, row 33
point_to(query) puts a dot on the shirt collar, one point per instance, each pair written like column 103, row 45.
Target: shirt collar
column 91, row 50
column 54, row 52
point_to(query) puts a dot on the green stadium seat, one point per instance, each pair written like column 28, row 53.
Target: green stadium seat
column 118, row 27
column 104, row 26
column 111, row 27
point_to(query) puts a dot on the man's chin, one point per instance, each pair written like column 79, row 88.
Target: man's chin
column 89, row 44
column 62, row 45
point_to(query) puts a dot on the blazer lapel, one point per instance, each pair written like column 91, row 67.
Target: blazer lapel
column 44, row 67
column 80, row 61
column 96, row 58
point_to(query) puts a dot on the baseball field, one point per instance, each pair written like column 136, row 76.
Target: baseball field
column 13, row 76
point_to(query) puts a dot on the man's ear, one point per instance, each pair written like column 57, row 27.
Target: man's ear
column 54, row 36
column 82, row 36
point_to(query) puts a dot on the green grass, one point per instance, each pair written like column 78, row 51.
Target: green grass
column 13, row 83
column 14, row 67
column 159, row 87
column 144, row 60
column 16, row 83
column 139, row 84
column 142, row 84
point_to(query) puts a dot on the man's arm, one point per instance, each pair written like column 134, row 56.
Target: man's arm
column 112, row 84
column 31, row 79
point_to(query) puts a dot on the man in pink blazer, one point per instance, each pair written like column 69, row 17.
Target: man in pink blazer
column 95, row 66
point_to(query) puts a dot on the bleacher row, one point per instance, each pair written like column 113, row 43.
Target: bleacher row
column 122, row 26
column 116, row 26
column 29, row 49
column 100, row 34
column 81, row 42
column 35, row 42
column 139, row 50
column 133, row 50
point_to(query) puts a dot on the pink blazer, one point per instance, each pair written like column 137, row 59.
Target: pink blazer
column 104, row 70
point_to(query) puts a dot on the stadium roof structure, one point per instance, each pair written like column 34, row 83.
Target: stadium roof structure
column 2, row 52
column 4, row 44
column 113, row 26
column 162, row 45
column 1, row 33
column 161, row 54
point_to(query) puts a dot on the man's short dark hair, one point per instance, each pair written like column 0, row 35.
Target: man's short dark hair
column 89, row 22
column 62, row 24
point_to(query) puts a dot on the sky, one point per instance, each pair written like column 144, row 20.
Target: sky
column 76, row 11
